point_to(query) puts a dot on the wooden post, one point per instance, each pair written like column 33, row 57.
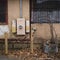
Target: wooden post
column 32, row 38
column 6, row 42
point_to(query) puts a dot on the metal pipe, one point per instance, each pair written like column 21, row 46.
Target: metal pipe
column 21, row 13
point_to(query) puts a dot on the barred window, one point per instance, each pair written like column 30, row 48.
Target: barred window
column 45, row 11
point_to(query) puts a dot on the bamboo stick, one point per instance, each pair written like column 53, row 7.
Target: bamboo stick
column 6, row 42
column 32, row 37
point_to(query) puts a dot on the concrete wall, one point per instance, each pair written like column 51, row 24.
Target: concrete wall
column 43, row 30
column 26, row 9
column 14, row 11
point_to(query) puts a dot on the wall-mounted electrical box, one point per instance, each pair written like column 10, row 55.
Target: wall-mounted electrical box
column 13, row 26
column 20, row 26
column 27, row 26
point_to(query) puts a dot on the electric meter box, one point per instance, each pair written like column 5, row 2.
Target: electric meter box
column 20, row 26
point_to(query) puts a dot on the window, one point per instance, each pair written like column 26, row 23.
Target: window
column 3, row 11
column 45, row 11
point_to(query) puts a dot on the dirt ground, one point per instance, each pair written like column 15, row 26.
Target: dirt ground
column 26, row 55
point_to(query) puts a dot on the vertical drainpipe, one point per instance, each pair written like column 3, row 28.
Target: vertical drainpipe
column 21, row 13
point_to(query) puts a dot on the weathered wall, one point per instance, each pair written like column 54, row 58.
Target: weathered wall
column 14, row 10
column 26, row 9
column 43, row 30
column 43, row 33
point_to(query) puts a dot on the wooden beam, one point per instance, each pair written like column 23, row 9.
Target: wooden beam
column 6, row 42
column 32, row 38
